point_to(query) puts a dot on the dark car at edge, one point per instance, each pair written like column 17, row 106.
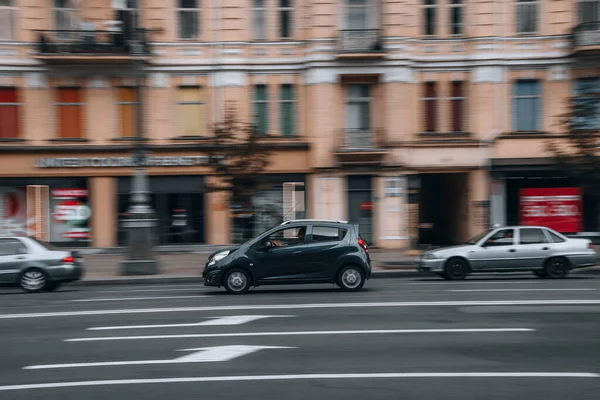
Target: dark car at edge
column 295, row 252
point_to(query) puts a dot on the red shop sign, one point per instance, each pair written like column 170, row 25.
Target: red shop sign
column 366, row 206
column 560, row 209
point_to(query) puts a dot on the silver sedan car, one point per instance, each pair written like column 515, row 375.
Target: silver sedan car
column 35, row 265
column 546, row 253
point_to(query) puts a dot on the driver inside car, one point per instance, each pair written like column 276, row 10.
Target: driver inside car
column 300, row 236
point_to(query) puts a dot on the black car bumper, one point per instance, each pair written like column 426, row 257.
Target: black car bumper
column 212, row 277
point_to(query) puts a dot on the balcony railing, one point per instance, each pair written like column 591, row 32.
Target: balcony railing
column 586, row 35
column 361, row 41
column 361, row 140
column 67, row 43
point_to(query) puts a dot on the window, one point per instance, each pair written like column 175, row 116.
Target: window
column 327, row 234
column 430, row 106
column 65, row 16
column 69, row 113
column 555, row 237
column 7, row 19
column 191, row 111
column 287, row 108
column 457, row 105
column 261, row 109
column 259, row 19
column 9, row 113
column 285, row 19
column 188, row 13
column 128, row 111
column 456, row 17
column 527, row 106
column 429, row 17
column 527, row 11
column 532, row 236
column 287, row 237
column 588, row 12
column 504, row 237
column 357, row 14
column 586, row 104
column 358, row 107
column 10, row 247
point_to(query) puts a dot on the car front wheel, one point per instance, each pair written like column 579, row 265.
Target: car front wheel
column 351, row 278
column 237, row 281
column 456, row 269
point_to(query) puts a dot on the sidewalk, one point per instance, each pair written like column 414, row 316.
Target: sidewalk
column 102, row 267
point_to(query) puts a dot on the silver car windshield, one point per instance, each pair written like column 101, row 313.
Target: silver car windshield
column 477, row 238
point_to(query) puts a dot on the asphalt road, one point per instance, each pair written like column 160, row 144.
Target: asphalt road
column 515, row 338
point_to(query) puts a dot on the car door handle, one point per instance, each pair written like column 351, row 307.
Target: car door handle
column 297, row 252
column 20, row 257
column 546, row 248
column 512, row 251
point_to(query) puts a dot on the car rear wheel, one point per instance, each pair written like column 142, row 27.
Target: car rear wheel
column 556, row 268
column 456, row 269
column 351, row 278
column 237, row 281
column 33, row 280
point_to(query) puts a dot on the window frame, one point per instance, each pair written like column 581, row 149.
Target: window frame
column 486, row 242
column 198, row 12
column 435, row 99
column 290, row 10
column 263, row 9
column 331, row 239
column 363, row 100
column 71, row 12
column 11, row 10
column 524, row 4
column 551, row 234
column 460, row 5
column 133, row 104
column 13, row 240
column 59, row 134
column 287, row 102
column 268, row 237
column 201, row 103
column 538, row 116
column 580, row 3
column 462, row 99
column 18, row 109
column 260, row 103
column 365, row 11
column 544, row 235
column 427, row 5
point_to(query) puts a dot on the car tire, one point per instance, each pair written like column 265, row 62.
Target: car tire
column 33, row 280
column 556, row 268
column 456, row 269
column 237, row 281
column 540, row 274
column 351, row 278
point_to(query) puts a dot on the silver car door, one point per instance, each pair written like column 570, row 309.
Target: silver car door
column 497, row 252
column 534, row 247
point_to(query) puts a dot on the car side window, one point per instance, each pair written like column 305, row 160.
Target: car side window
column 11, row 247
column 503, row 237
column 287, row 237
column 327, row 234
column 555, row 237
column 532, row 236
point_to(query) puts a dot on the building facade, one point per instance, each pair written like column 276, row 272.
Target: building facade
column 420, row 120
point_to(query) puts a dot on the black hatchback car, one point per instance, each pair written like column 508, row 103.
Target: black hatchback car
column 295, row 252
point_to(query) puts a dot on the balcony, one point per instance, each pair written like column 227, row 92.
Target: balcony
column 90, row 47
column 361, row 146
column 586, row 38
column 360, row 44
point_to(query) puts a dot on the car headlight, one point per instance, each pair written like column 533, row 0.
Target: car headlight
column 429, row 256
column 218, row 257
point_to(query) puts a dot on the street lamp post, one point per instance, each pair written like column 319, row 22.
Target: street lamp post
column 141, row 219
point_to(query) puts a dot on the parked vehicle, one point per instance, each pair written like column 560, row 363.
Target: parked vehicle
column 546, row 253
column 37, row 266
column 296, row 252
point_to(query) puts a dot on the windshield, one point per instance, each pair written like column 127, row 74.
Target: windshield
column 477, row 238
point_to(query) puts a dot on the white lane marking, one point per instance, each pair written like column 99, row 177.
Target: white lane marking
column 300, row 306
column 522, row 290
column 153, row 290
column 203, row 354
column 477, row 283
column 222, row 321
column 91, row 300
column 300, row 333
column 249, row 378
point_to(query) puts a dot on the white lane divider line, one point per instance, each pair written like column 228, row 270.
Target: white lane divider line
column 300, row 333
column 221, row 321
column 92, row 300
column 442, row 282
column 251, row 378
column 523, row 290
column 302, row 306
column 199, row 355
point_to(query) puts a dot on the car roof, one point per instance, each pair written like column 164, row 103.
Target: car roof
column 520, row 227
column 325, row 221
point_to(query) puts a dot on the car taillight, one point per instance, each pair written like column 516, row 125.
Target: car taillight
column 69, row 260
column 590, row 246
column 362, row 244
